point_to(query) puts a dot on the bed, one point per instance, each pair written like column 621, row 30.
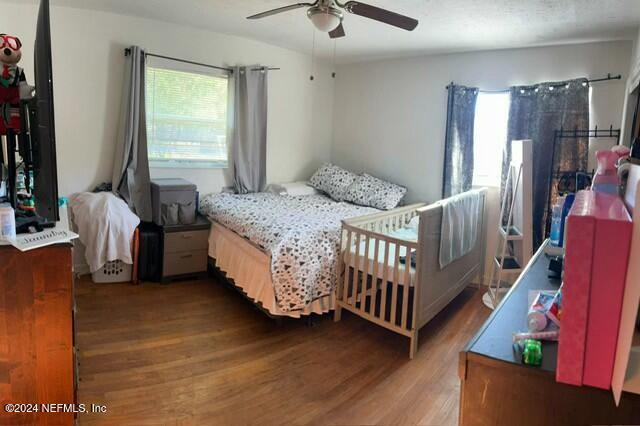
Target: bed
column 281, row 251
column 397, row 279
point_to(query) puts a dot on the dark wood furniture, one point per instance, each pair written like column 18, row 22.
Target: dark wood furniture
column 497, row 389
column 36, row 332
column 185, row 250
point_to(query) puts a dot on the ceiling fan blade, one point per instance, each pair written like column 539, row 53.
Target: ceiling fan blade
column 381, row 15
column 337, row 32
column 280, row 10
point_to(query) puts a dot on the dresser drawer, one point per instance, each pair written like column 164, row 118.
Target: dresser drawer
column 186, row 262
column 175, row 242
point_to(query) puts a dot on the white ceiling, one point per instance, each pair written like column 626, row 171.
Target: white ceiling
column 445, row 25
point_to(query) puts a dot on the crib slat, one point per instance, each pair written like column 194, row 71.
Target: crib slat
column 356, row 270
column 374, row 278
column 407, row 284
column 347, row 265
column 365, row 275
column 396, row 275
column 341, row 264
column 385, row 274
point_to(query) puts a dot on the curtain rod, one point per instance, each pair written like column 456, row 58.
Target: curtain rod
column 590, row 80
column 127, row 52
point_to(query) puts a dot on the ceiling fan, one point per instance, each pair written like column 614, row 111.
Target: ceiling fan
column 327, row 15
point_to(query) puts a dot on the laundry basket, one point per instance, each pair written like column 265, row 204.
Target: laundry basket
column 115, row 271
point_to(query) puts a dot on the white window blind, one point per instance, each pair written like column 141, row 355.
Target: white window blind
column 186, row 118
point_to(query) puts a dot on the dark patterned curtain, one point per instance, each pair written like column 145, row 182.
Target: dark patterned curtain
column 536, row 112
column 458, row 145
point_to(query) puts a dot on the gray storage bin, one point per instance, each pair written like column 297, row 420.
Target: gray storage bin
column 173, row 202
column 187, row 213
column 169, row 214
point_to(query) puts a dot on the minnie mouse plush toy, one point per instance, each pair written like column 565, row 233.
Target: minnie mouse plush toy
column 13, row 83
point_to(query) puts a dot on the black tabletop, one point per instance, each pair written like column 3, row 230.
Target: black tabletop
column 495, row 337
column 200, row 224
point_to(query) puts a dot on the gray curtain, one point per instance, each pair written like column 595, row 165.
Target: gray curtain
column 458, row 145
column 535, row 113
column 250, row 129
column 131, row 163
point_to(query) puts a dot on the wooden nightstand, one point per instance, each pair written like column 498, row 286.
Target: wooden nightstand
column 185, row 250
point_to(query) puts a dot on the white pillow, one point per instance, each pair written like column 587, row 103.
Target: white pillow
column 370, row 191
column 332, row 180
column 292, row 189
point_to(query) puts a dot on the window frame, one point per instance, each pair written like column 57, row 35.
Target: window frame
column 171, row 65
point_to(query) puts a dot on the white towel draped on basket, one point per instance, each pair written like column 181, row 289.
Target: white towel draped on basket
column 459, row 231
column 106, row 226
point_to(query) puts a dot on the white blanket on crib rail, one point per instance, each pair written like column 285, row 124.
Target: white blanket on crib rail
column 105, row 225
column 459, row 231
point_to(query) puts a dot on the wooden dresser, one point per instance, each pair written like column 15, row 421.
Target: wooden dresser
column 36, row 333
column 497, row 389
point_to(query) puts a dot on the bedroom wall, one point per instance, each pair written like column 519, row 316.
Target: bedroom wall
column 389, row 116
column 88, row 64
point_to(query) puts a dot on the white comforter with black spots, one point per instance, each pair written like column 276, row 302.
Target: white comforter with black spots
column 302, row 234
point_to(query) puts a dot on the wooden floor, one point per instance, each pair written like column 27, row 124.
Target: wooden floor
column 198, row 353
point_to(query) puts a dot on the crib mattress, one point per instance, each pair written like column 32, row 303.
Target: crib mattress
column 367, row 261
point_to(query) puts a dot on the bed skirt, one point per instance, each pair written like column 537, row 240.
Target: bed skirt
column 250, row 269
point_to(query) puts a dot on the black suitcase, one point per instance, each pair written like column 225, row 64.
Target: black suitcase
column 150, row 252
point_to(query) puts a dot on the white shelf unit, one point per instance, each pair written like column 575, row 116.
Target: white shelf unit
column 515, row 241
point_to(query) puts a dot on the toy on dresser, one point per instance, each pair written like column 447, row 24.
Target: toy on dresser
column 606, row 177
column 13, row 83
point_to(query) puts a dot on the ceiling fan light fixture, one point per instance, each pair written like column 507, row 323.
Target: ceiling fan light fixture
column 325, row 20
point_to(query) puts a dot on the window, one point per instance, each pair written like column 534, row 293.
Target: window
column 186, row 118
column 490, row 135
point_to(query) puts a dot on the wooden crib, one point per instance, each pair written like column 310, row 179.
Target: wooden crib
column 375, row 284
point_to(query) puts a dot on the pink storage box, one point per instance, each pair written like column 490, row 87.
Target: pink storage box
column 580, row 225
column 608, row 273
column 596, row 253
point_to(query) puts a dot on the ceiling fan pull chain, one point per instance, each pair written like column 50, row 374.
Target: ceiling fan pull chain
column 335, row 44
column 313, row 52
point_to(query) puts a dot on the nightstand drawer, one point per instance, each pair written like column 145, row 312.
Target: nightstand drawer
column 186, row 262
column 175, row 242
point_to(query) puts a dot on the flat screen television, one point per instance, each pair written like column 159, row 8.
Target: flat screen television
column 42, row 123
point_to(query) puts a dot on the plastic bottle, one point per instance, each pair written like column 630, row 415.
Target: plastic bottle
column 556, row 222
column 606, row 177
column 7, row 223
column 566, row 207
column 537, row 315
